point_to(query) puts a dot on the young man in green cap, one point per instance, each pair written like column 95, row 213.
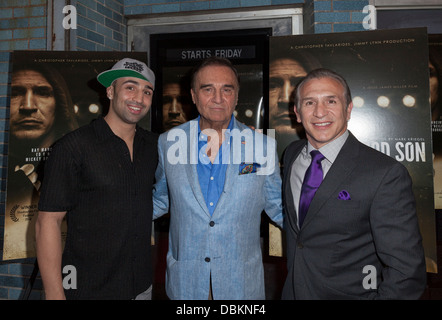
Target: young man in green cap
column 100, row 178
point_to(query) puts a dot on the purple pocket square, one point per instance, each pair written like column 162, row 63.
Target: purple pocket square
column 344, row 195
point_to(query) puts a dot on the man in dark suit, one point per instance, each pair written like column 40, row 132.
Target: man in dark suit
column 360, row 237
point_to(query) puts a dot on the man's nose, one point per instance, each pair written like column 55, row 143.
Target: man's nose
column 286, row 92
column 27, row 101
column 320, row 110
column 138, row 96
column 174, row 106
column 217, row 96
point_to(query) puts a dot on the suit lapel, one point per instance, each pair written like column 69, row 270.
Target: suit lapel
column 191, row 167
column 231, row 173
column 339, row 171
column 192, row 175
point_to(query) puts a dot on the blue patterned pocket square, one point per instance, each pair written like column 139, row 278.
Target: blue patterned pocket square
column 245, row 168
column 344, row 195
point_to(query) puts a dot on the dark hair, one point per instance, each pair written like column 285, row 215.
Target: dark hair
column 319, row 74
column 212, row 61
column 305, row 59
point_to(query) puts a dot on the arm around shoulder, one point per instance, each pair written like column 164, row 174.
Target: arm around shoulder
column 160, row 189
column 273, row 186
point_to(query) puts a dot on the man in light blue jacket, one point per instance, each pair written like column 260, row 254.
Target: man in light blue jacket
column 215, row 176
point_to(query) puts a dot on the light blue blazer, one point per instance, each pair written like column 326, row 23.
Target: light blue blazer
column 224, row 248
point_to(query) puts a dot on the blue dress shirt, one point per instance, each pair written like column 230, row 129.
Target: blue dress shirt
column 212, row 176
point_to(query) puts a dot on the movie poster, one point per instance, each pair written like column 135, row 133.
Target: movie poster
column 52, row 93
column 387, row 72
column 435, row 66
column 173, row 57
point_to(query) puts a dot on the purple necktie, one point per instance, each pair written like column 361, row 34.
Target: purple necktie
column 312, row 181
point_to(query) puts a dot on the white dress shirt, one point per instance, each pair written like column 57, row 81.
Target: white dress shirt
column 302, row 162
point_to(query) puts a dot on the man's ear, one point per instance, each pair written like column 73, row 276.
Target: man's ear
column 298, row 116
column 110, row 92
column 349, row 109
column 192, row 93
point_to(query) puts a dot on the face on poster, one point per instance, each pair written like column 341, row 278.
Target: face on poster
column 52, row 93
column 387, row 72
column 176, row 103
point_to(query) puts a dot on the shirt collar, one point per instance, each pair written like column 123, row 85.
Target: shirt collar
column 331, row 149
column 203, row 137
column 103, row 131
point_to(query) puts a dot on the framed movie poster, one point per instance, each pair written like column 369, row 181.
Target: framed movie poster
column 173, row 56
column 435, row 66
column 387, row 71
column 69, row 97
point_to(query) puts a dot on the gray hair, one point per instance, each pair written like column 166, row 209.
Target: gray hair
column 320, row 74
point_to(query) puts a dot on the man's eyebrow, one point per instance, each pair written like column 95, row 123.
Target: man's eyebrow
column 276, row 78
column 315, row 98
column 332, row 96
column 211, row 85
column 308, row 98
column 137, row 83
column 33, row 85
column 131, row 81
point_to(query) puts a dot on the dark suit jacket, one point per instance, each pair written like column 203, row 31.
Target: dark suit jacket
column 377, row 228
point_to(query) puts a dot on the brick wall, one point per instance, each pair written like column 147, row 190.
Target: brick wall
column 102, row 26
column 320, row 16
column 136, row 7
column 333, row 16
column 22, row 27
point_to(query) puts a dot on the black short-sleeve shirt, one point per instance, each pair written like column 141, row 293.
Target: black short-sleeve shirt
column 108, row 199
